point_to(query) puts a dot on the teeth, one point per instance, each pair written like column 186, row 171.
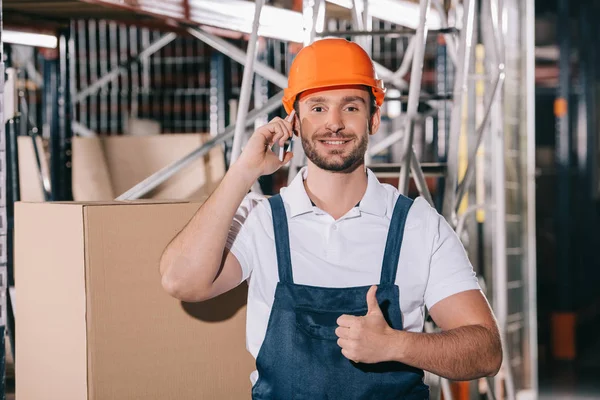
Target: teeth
column 337, row 142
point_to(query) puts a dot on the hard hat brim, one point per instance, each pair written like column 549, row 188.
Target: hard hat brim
column 377, row 87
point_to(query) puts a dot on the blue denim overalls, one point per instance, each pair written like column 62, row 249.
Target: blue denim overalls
column 300, row 357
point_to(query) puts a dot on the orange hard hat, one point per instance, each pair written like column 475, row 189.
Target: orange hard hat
column 331, row 62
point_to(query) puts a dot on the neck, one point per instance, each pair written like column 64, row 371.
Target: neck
column 335, row 193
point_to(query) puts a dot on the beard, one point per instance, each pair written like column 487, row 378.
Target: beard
column 334, row 160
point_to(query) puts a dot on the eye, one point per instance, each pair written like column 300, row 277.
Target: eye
column 352, row 108
column 317, row 109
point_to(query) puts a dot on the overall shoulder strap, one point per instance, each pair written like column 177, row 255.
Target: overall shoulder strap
column 282, row 239
column 394, row 240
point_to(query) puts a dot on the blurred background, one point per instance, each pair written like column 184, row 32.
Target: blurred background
column 496, row 100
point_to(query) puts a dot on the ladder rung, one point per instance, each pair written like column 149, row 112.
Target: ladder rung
column 387, row 32
column 393, row 170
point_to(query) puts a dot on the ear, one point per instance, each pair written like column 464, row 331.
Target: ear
column 375, row 121
column 296, row 124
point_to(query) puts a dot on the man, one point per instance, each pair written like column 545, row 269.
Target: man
column 339, row 266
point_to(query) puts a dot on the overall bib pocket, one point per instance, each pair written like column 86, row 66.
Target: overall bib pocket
column 321, row 324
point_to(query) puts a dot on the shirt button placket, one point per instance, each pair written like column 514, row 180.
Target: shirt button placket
column 333, row 247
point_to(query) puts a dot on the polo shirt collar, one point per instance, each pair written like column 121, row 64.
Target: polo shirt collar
column 295, row 195
column 373, row 202
column 375, row 199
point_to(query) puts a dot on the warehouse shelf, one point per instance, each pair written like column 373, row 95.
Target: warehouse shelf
column 244, row 49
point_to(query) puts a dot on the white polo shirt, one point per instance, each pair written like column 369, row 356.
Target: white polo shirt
column 348, row 252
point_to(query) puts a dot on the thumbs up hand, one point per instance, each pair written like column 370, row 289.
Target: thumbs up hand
column 366, row 339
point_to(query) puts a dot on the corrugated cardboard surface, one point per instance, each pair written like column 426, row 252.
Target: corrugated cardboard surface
column 115, row 164
column 50, row 285
column 141, row 343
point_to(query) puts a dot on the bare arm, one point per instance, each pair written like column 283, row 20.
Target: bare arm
column 469, row 345
column 468, row 348
column 196, row 266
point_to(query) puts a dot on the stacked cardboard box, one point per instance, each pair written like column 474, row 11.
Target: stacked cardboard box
column 105, row 167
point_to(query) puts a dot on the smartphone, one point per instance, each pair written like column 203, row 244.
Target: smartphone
column 288, row 143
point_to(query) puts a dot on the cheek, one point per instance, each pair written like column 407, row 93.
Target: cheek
column 358, row 126
column 308, row 126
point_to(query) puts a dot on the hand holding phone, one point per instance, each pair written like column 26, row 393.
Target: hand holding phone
column 288, row 143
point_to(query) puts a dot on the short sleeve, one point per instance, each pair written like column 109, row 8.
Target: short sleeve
column 239, row 238
column 450, row 271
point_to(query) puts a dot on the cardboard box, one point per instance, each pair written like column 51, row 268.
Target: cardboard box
column 94, row 322
column 106, row 167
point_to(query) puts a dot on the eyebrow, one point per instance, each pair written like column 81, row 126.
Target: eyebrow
column 317, row 100
column 346, row 99
column 350, row 99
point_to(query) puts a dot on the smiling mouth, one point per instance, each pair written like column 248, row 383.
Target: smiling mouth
column 334, row 142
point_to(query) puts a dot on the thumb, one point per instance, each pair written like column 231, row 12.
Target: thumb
column 372, row 304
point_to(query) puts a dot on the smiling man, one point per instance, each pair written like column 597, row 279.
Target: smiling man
column 340, row 267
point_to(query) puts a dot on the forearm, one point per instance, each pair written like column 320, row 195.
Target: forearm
column 464, row 353
column 192, row 260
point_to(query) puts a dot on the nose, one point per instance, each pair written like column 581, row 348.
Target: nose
column 334, row 120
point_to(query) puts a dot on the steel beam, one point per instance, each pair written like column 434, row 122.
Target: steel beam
column 29, row 128
column 406, row 60
column 499, row 264
column 261, row 85
column 220, row 92
column 239, row 55
column 398, row 12
column 470, row 172
column 247, row 79
column 498, row 45
column 460, row 89
column 446, row 30
column 389, row 76
column 419, row 178
column 424, row 98
column 443, row 75
column 388, row 170
column 368, row 27
column 362, row 22
column 393, row 33
column 460, row 226
column 414, row 92
column 532, row 320
column 261, row 94
column 386, row 142
column 60, row 138
column 115, row 72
